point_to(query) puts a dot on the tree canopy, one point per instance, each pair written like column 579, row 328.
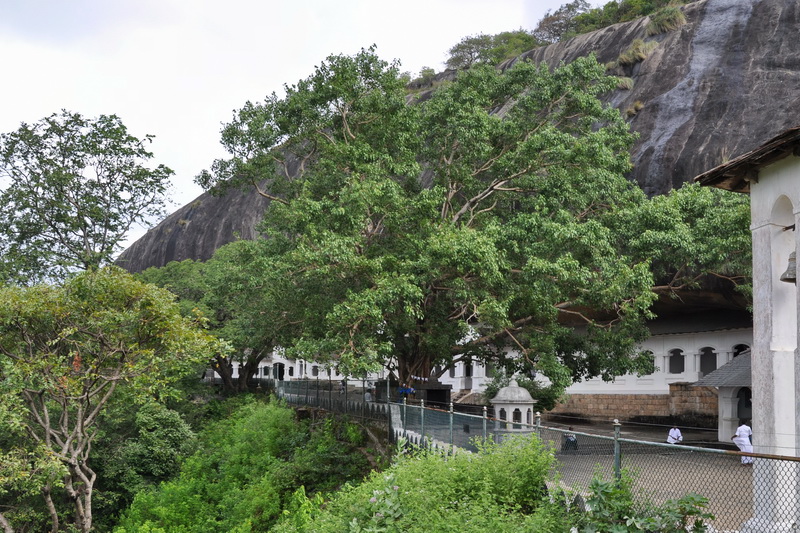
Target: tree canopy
column 425, row 234
column 65, row 352
column 490, row 49
column 71, row 188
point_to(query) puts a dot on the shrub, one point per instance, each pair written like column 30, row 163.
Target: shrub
column 665, row 19
column 501, row 488
column 636, row 52
column 612, row 507
column 245, row 472
column 634, row 108
column 624, row 83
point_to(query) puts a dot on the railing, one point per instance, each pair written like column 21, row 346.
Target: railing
column 732, row 481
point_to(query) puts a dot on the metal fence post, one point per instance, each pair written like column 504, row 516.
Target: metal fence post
column 389, row 410
column 422, row 422
column 405, row 416
column 485, row 415
column 539, row 424
column 617, row 452
column 451, row 428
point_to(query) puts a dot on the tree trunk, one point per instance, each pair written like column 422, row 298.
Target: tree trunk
column 51, row 508
column 5, row 524
column 224, row 367
column 248, row 370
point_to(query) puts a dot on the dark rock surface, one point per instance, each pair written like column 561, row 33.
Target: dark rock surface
column 719, row 86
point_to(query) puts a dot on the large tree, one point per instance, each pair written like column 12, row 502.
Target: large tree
column 71, row 188
column 501, row 243
column 65, row 352
column 229, row 290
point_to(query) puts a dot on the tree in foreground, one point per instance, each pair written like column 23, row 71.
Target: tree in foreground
column 65, row 352
column 459, row 228
column 71, row 188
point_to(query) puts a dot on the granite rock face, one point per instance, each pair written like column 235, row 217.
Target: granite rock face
column 718, row 86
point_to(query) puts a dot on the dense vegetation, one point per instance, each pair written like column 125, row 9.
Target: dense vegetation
column 247, row 469
column 261, row 470
column 571, row 19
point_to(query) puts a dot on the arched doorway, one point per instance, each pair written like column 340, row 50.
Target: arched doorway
column 744, row 403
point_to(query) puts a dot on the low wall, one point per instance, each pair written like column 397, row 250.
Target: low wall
column 683, row 400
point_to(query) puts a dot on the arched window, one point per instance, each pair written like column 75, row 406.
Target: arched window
column 740, row 349
column 291, row 371
column 453, row 371
column 516, row 416
column 502, row 414
column 529, row 417
column 315, row 371
column 676, row 361
column 708, row 360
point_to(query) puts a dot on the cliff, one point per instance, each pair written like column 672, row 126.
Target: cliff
column 718, row 86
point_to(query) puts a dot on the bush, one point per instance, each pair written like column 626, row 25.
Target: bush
column 665, row 19
column 625, row 84
column 245, row 472
column 501, row 488
column 613, row 508
column 636, row 52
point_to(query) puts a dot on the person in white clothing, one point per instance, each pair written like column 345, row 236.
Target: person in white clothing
column 674, row 436
column 743, row 439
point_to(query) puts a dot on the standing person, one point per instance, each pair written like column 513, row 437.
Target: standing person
column 743, row 439
column 674, row 436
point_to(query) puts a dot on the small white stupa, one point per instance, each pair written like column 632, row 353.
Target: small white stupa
column 513, row 404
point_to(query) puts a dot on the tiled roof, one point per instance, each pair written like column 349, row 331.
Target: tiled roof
column 735, row 373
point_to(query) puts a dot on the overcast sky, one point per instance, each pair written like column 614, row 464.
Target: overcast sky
column 178, row 68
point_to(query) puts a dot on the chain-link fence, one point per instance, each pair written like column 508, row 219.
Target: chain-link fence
column 761, row 492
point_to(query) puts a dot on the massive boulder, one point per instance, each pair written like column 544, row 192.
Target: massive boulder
column 718, row 86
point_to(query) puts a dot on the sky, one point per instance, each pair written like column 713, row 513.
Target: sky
column 177, row 69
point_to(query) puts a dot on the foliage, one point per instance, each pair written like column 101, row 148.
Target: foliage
column 690, row 234
column 501, row 488
column 617, row 11
column 137, row 451
column 229, row 289
column 245, row 471
column 365, row 265
column 561, row 23
column 613, row 508
column 546, row 395
column 490, row 49
column 426, row 76
column 72, row 189
column 665, row 19
column 634, row 108
column 66, row 351
column 636, row 52
column 625, row 83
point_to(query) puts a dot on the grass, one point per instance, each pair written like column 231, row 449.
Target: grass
column 636, row 52
column 634, row 108
column 625, row 84
column 665, row 19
